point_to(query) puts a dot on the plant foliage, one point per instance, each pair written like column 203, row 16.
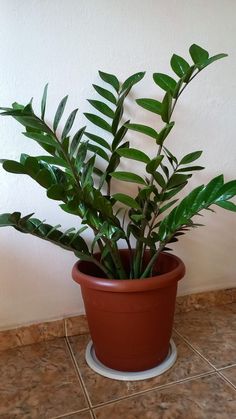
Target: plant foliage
column 70, row 172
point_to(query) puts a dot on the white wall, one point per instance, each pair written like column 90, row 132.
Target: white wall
column 65, row 42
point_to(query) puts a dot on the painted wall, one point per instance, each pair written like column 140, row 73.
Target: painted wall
column 64, row 43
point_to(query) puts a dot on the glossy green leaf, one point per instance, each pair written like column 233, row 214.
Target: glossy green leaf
column 153, row 164
column 105, row 93
column 44, row 178
column 42, row 139
column 163, row 134
column 176, row 180
column 98, row 140
column 98, row 150
column 119, row 136
column 128, row 177
column 212, row 59
column 13, row 167
column 57, row 161
column 132, row 153
column 56, row 192
column 159, row 179
column 230, row 206
column 189, row 158
column 167, row 206
column 76, row 140
column 102, row 107
column 43, row 101
column 189, row 74
column 179, row 65
column 135, row 78
column 59, row 112
column 69, row 123
column 190, row 169
column 151, row 105
column 198, row 54
column 117, row 118
column 144, row 129
column 164, row 81
column 166, row 107
column 96, row 120
column 110, row 79
column 127, row 200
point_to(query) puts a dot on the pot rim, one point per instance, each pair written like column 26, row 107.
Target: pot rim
column 130, row 285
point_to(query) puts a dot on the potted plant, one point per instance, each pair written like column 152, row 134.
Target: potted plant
column 127, row 275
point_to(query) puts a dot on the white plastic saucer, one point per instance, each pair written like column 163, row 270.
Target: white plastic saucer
column 101, row 369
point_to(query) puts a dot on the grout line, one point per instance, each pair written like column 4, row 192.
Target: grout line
column 70, row 413
column 228, row 366
column 194, row 349
column 227, row 380
column 79, row 376
column 161, row 387
column 217, row 370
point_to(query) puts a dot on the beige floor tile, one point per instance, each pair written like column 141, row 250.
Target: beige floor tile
column 230, row 373
column 39, row 381
column 203, row 398
column 212, row 332
column 102, row 389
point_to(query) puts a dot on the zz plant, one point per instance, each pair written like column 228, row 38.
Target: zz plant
column 70, row 173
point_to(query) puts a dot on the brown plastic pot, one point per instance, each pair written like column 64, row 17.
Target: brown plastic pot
column 130, row 321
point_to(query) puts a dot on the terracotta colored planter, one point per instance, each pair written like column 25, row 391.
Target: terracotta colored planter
column 130, row 321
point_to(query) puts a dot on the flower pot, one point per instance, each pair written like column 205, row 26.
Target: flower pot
column 130, row 321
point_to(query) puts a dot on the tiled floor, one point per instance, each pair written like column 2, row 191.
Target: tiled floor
column 52, row 380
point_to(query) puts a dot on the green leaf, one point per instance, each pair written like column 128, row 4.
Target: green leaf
column 119, row 136
column 179, row 65
column 127, row 200
column 128, row 177
column 56, row 192
column 98, row 140
column 164, row 133
column 57, row 161
column 189, row 74
column 105, row 93
column 76, row 140
column 98, row 150
column 96, row 120
column 165, row 82
column 59, row 112
column 102, row 107
column 227, row 205
column 151, row 105
column 198, row 54
column 69, row 123
column 135, row 78
column 159, row 179
column 166, row 107
column 153, row 164
column 177, row 180
column 144, row 129
column 42, row 139
column 212, row 59
column 189, row 158
column 43, row 101
column 44, row 178
column 132, row 153
column 117, row 118
column 13, row 167
column 167, row 206
column 110, row 79
column 190, row 169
